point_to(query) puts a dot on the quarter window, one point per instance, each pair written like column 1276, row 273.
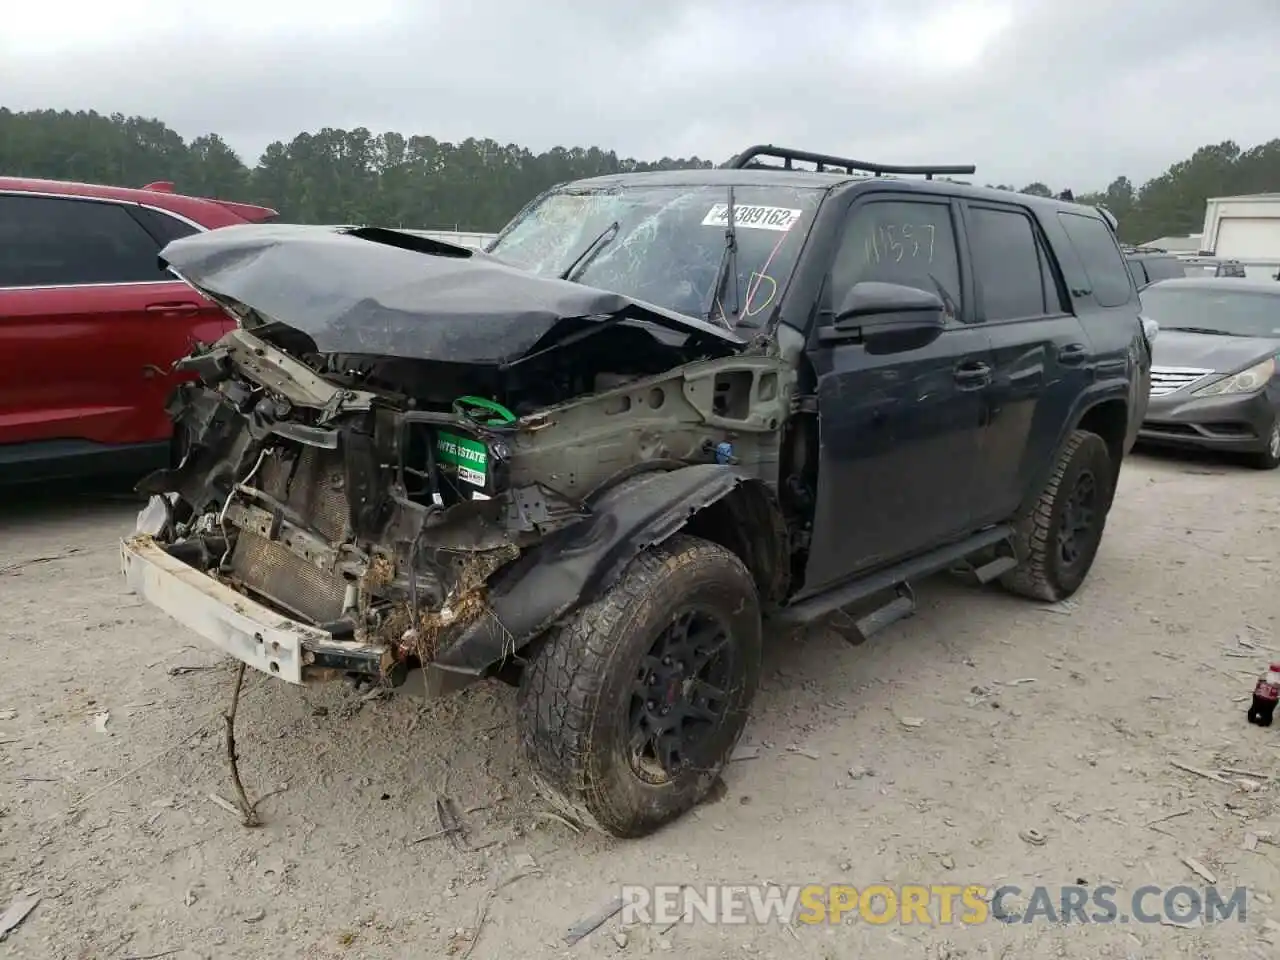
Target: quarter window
column 1163, row 268
column 163, row 227
column 899, row 241
column 1100, row 256
column 49, row 241
column 1010, row 266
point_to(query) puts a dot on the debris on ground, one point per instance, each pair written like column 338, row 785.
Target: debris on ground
column 19, row 910
column 436, row 834
column 1253, row 775
column 524, row 861
column 183, row 670
column 1200, row 870
column 450, row 825
column 23, row 564
column 744, row 753
column 225, row 804
column 593, row 922
column 1207, row 774
column 100, row 722
column 248, row 811
column 1168, row 816
column 1033, row 837
column 912, row 722
column 801, row 751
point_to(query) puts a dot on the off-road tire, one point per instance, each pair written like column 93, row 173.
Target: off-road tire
column 1042, row 572
column 575, row 705
column 1269, row 457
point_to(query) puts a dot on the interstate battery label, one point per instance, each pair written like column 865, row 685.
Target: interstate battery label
column 469, row 457
column 753, row 216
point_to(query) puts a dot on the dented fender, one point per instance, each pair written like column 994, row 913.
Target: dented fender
column 574, row 566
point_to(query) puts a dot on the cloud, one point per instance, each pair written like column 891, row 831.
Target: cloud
column 1073, row 94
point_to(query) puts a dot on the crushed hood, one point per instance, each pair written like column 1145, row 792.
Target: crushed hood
column 386, row 293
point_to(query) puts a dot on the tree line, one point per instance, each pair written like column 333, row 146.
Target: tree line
column 356, row 176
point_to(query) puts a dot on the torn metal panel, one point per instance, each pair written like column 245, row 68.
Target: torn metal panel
column 582, row 444
column 541, row 586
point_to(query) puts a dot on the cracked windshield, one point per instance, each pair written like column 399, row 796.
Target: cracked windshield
column 669, row 244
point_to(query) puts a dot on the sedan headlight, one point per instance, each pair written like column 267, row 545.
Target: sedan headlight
column 1246, row 381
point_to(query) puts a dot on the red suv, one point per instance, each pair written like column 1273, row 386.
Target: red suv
column 90, row 323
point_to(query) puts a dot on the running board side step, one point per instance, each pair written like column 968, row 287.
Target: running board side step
column 995, row 569
column 863, row 629
column 896, row 578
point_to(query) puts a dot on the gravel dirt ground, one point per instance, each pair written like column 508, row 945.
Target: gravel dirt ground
column 1054, row 724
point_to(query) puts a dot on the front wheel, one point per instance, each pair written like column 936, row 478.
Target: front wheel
column 1058, row 537
column 1269, row 457
column 629, row 710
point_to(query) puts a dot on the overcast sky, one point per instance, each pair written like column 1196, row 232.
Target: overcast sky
column 1071, row 92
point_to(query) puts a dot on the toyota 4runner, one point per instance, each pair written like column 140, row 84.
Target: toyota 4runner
column 662, row 410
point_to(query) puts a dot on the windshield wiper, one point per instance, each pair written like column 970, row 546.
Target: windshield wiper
column 728, row 266
column 594, row 247
column 1209, row 330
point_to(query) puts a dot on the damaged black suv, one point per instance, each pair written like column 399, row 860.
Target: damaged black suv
column 661, row 411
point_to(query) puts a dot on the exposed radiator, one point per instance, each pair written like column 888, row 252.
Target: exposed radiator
column 269, row 569
column 313, row 491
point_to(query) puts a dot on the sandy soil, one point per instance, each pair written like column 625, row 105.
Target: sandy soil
column 114, row 827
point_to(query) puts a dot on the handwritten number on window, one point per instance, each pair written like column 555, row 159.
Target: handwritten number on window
column 910, row 242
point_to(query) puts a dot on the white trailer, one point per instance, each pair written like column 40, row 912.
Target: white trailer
column 1245, row 229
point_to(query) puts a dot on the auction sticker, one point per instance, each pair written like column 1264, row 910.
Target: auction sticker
column 752, row 215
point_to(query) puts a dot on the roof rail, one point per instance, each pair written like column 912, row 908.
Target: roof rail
column 160, row 186
column 788, row 156
column 1144, row 249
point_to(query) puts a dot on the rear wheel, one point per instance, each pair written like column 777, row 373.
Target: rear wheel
column 1058, row 537
column 630, row 709
column 1269, row 457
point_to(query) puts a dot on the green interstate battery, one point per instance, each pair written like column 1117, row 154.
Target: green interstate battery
column 465, row 459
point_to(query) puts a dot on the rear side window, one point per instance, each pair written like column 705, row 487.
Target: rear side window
column 163, row 227
column 1135, row 270
column 1009, row 264
column 1164, row 268
column 49, row 241
column 1100, row 256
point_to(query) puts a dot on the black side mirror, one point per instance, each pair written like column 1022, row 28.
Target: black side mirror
column 886, row 318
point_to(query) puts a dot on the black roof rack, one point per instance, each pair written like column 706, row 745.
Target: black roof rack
column 1144, row 249
column 747, row 158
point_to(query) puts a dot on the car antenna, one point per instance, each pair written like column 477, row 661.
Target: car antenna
column 728, row 263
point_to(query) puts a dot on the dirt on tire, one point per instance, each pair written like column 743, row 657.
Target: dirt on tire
column 571, row 701
column 1040, row 575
